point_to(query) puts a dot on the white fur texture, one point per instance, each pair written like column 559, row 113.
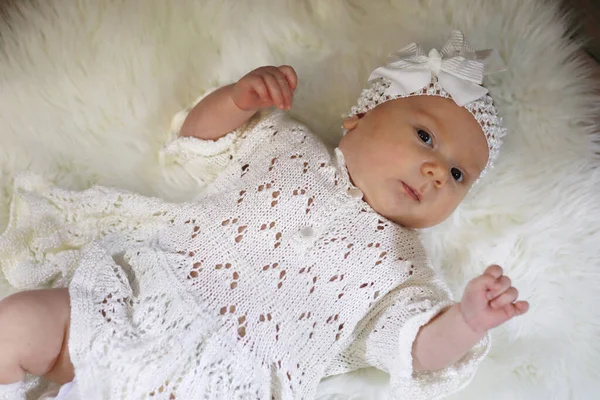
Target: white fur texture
column 88, row 88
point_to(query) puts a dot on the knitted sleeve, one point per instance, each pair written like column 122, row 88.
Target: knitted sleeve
column 202, row 160
column 385, row 340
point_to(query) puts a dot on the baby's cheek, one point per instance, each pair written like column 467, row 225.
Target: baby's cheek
column 446, row 206
column 393, row 202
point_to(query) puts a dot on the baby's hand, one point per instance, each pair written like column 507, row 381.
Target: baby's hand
column 266, row 87
column 490, row 300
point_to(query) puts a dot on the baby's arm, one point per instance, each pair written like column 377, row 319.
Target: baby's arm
column 229, row 107
column 488, row 301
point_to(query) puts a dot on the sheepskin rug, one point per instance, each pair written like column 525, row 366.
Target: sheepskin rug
column 88, row 88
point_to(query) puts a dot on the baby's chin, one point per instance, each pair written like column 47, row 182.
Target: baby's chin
column 413, row 222
column 409, row 215
column 398, row 208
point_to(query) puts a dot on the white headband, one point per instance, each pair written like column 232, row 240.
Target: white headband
column 456, row 73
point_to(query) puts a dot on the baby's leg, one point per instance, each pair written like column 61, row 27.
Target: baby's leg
column 34, row 331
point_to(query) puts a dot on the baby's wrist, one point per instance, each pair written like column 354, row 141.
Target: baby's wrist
column 233, row 97
column 469, row 326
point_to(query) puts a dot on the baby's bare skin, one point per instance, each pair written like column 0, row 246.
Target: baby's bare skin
column 33, row 336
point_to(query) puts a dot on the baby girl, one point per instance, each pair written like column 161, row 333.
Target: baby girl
column 292, row 265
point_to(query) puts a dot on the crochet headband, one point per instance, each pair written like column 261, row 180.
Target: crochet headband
column 456, row 72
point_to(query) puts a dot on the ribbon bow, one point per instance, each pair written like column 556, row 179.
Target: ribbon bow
column 459, row 70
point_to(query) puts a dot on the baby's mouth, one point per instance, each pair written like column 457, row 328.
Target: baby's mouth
column 411, row 192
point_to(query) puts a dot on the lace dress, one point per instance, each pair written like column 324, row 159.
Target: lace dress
column 278, row 274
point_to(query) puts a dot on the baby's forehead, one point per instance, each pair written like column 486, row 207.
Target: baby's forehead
column 439, row 110
column 431, row 104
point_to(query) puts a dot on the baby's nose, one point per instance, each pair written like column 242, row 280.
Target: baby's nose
column 435, row 172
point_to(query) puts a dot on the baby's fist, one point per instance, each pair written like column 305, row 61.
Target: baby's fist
column 266, row 87
column 490, row 300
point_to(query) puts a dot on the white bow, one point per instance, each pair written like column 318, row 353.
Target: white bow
column 458, row 68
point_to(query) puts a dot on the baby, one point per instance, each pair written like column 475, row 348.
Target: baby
column 292, row 265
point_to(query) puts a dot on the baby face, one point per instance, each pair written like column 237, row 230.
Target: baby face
column 415, row 158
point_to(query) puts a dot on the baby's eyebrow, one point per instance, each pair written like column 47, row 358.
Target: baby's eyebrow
column 430, row 119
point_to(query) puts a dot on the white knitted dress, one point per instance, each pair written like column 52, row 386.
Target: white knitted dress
column 276, row 276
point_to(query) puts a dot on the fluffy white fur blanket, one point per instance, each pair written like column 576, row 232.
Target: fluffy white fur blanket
column 88, row 88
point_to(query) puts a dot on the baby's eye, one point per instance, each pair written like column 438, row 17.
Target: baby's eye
column 425, row 137
column 457, row 174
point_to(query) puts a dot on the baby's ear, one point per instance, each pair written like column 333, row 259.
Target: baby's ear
column 352, row 122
